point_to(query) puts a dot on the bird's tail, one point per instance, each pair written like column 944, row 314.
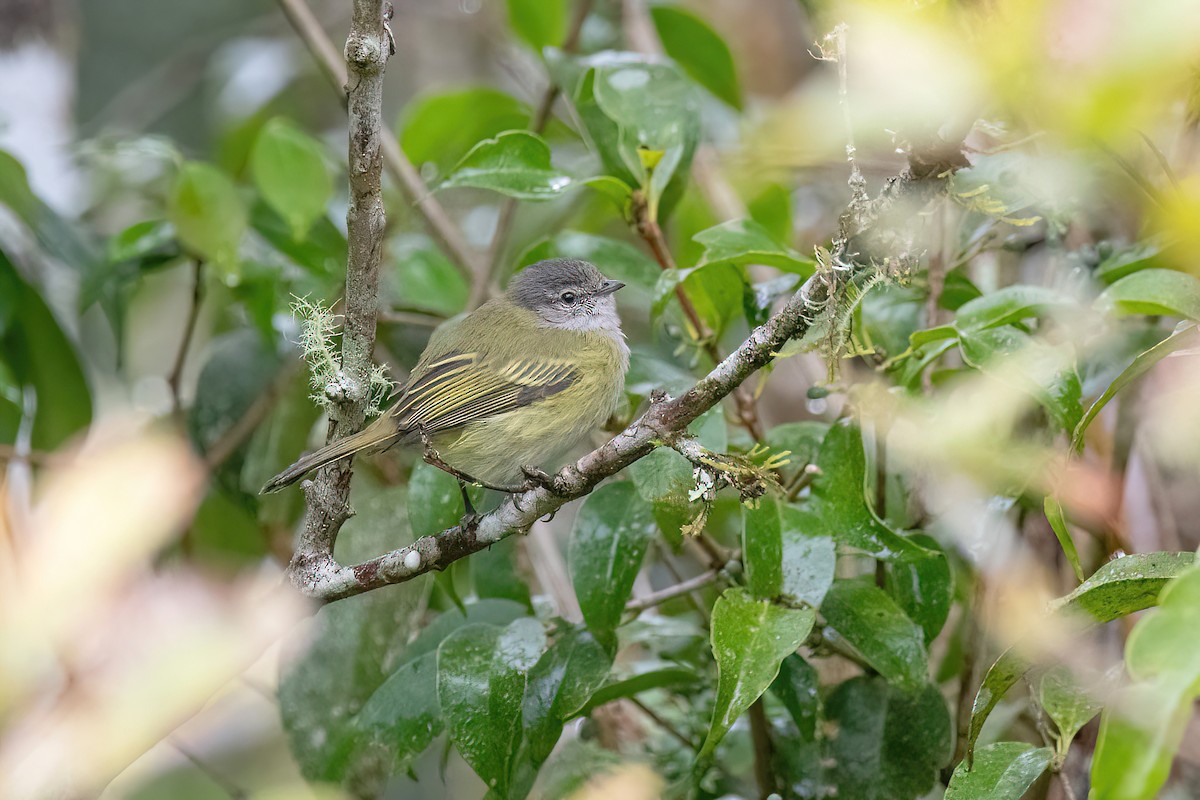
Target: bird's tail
column 379, row 433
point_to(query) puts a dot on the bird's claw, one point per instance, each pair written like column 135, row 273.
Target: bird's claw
column 537, row 477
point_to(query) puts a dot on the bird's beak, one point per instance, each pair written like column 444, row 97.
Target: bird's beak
column 608, row 287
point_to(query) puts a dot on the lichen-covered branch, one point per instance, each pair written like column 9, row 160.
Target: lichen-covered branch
column 367, row 51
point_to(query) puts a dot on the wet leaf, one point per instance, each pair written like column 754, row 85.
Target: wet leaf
column 515, row 163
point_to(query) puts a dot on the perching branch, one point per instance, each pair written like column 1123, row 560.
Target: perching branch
column 367, row 50
column 441, row 227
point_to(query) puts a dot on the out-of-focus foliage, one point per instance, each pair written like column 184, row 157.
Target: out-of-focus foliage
column 979, row 463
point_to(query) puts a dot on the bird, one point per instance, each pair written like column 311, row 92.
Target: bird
column 507, row 389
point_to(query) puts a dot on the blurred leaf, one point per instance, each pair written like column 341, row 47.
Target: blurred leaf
column 664, row 678
column 1001, row 771
column 890, row 743
column 1054, row 515
column 889, row 317
column 797, row 686
column 772, row 209
column 151, row 239
column 1120, row 587
column 539, row 23
column 801, row 439
column 56, row 235
column 561, row 683
column 758, row 300
column 494, row 574
column 923, row 589
column 39, row 356
column 762, row 548
column 424, row 278
column 666, row 476
column 225, row 533
column 515, row 163
column 1141, row 732
column 615, row 189
column 869, row 620
column 1008, row 305
column 290, row 172
column 699, row 50
column 749, row 639
column 1128, row 260
column 627, row 102
column 576, row 763
column 837, row 505
column 618, row 260
column 1065, row 702
column 322, row 251
column 957, row 290
column 1182, row 337
column 744, row 241
column 208, row 214
column 482, row 675
column 608, row 542
column 441, row 128
column 1154, row 291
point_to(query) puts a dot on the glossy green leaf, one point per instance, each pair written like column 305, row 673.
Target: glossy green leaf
column 809, row 561
column 1058, row 522
column 923, row 589
column 482, row 672
column 865, row 617
column 744, row 241
column 837, row 506
column 1008, row 305
column 1001, row 771
column 664, row 678
column 1154, row 291
column 515, row 163
column 402, row 716
column 699, row 50
column 1182, row 337
column 617, row 259
column 434, row 501
column 608, row 542
column 762, row 548
column 797, row 686
column 1065, row 702
column 1120, row 587
column 889, row 744
column 208, row 214
column 424, row 278
column 539, row 23
column 441, row 128
column 494, row 574
column 749, row 639
column 615, row 189
column 291, row 174
column 560, row 684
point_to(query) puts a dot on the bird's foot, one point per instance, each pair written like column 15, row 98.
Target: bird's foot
column 537, row 477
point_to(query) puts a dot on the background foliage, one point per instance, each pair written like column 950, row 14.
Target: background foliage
column 971, row 577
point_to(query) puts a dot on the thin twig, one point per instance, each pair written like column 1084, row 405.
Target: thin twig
column 189, row 329
column 237, row 433
column 760, row 734
column 333, row 66
column 665, row 725
column 508, row 210
column 671, row 592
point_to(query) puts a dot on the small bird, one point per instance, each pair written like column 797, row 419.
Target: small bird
column 510, row 387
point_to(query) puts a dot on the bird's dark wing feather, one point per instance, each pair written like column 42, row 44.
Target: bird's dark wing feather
column 461, row 388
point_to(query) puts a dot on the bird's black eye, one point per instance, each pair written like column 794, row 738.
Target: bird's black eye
column 568, row 297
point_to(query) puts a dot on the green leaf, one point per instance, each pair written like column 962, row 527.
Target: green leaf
column 560, row 684
column 1142, row 730
column 291, row 174
column 923, row 589
column 808, row 563
column 38, row 356
column 801, row 439
column 1058, row 522
column 434, row 501
column 494, row 573
column 749, row 639
column 482, row 675
column 1002, row 771
column 797, row 688
column 441, row 128
column 321, row 253
column 56, row 235
column 869, row 620
column 699, row 50
column 837, row 506
column 1128, row 260
column 615, row 189
column 208, row 215
column 402, row 716
column 515, row 163
column 1065, row 702
column 762, row 548
column 423, row 278
column 151, row 239
column 744, row 241
column 1154, row 291
column 664, row 678
column 889, row 743
column 539, row 23
column 1120, row 587
column 1182, row 337
column 608, row 542
column 618, row 260
column 1008, row 305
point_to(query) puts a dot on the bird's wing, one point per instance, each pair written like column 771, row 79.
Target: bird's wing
column 460, row 388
